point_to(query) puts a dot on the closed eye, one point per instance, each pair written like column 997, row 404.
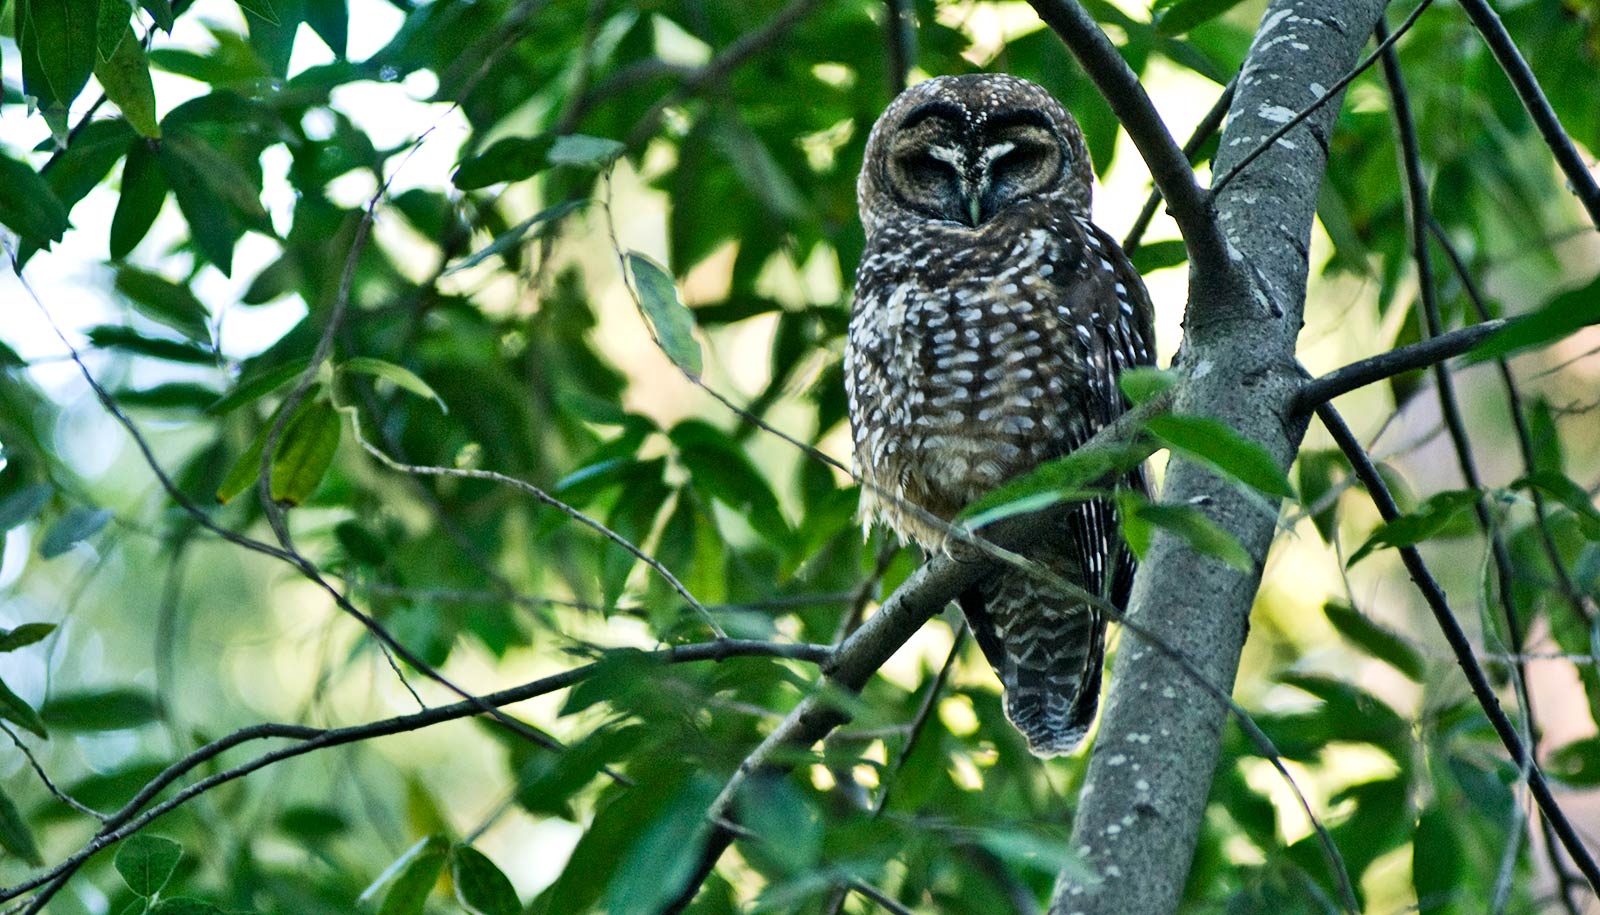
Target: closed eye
column 927, row 167
column 1018, row 158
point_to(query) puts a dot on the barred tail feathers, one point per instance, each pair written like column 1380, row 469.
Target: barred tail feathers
column 1047, row 648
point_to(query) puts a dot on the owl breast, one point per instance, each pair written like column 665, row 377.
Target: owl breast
column 972, row 357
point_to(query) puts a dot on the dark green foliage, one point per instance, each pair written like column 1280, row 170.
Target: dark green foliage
column 493, row 323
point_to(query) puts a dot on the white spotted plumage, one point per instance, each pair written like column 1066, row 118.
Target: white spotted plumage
column 991, row 320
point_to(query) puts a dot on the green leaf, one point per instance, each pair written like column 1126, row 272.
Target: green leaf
column 1559, row 487
column 1316, row 481
column 673, row 323
column 1414, row 527
column 115, row 709
column 1216, row 444
column 125, row 77
column 15, row 710
column 1436, row 861
column 174, row 395
column 1140, row 518
column 1043, row 854
column 414, row 876
column 66, row 34
column 183, row 905
column 312, row 826
column 512, row 237
column 305, row 452
column 262, row 8
column 1141, row 384
column 256, row 387
column 1376, row 640
column 139, row 201
column 22, row 505
column 1076, row 476
column 1561, row 316
column 146, row 862
column 165, row 302
column 28, row 206
column 757, row 169
column 111, row 336
column 161, row 12
column 662, row 855
column 24, row 635
column 480, row 886
column 585, row 152
column 214, row 195
column 1578, row 763
column 15, row 837
column 788, row 831
column 1174, row 17
column 400, row 377
column 1159, row 255
column 111, row 26
column 507, row 159
column 720, row 468
column 75, row 525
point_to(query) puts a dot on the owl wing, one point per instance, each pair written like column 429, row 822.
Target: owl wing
column 1050, row 660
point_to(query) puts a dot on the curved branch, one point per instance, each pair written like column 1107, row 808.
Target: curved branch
column 1461, row 647
column 1190, row 204
column 1431, row 351
column 129, row 820
column 1533, row 98
column 1203, row 131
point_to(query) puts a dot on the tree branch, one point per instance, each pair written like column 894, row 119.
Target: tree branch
column 1431, row 351
column 1203, row 131
column 1299, row 118
column 1461, row 647
column 725, row 62
column 1143, row 802
column 1533, row 98
column 1190, row 205
column 128, row 820
column 1418, row 217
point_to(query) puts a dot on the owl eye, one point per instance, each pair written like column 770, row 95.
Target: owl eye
column 1021, row 158
column 925, row 167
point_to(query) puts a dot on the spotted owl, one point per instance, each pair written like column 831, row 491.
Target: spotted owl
column 990, row 323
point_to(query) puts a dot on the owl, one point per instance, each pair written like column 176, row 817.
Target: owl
column 991, row 320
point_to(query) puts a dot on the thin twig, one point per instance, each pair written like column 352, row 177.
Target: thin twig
column 1429, row 352
column 129, row 820
column 900, row 40
column 1417, row 218
column 1527, row 87
column 544, row 497
column 1190, row 204
column 726, row 60
column 49, row 785
column 1203, row 132
column 1461, row 647
column 1332, row 92
column 876, row 895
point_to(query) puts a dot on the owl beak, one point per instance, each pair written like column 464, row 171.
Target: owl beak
column 974, row 209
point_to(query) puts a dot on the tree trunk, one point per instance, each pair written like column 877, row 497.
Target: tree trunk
column 1145, row 793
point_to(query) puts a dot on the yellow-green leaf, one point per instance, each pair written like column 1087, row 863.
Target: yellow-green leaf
column 15, row 710
column 673, row 323
column 305, row 452
column 125, row 76
column 401, row 377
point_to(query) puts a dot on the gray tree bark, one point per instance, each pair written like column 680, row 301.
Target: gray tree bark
column 1145, row 793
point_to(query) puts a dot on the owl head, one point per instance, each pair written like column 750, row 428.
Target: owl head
column 960, row 149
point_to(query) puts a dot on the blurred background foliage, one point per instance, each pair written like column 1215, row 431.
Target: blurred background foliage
column 183, row 185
